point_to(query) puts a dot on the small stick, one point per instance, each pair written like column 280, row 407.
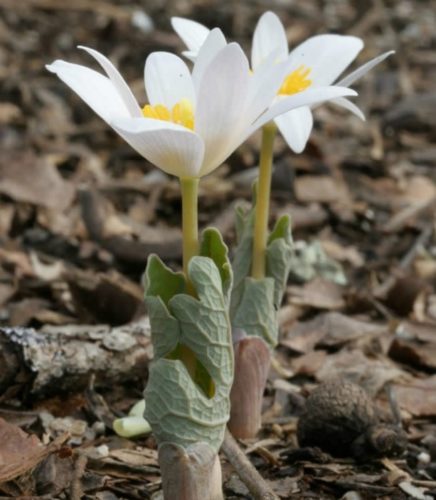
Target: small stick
column 245, row 470
column 76, row 492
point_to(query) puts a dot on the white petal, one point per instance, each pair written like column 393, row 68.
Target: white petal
column 190, row 55
column 309, row 97
column 327, row 56
column 173, row 148
column 192, row 33
column 264, row 85
column 350, row 106
column 269, row 35
column 362, row 70
column 295, row 127
column 167, row 79
column 95, row 89
column 117, row 80
column 214, row 42
column 221, row 102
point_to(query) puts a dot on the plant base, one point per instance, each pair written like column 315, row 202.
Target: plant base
column 190, row 474
column 252, row 361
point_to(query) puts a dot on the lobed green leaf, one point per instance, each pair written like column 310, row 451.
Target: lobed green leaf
column 187, row 404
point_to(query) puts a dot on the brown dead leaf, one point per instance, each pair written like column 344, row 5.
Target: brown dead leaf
column 26, row 178
column 303, row 337
column 144, row 456
column 108, row 298
column 7, row 291
column 19, row 260
column 405, row 291
column 342, row 253
column 309, row 363
column 115, row 226
column 19, row 451
column 54, row 474
column 9, row 112
column 311, row 215
column 371, row 374
column 285, row 487
column 402, row 192
column 423, row 332
column 67, row 223
column 413, row 353
column 413, row 112
column 23, row 312
column 418, row 397
column 7, row 212
column 317, row 188
column 329, row 329
column 431, row 307
column 418, row 189
column 415, row 344
column 318, row 293
column 425, row 267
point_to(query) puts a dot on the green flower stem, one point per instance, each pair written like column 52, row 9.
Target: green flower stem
column 260, row 237
column 189, row 187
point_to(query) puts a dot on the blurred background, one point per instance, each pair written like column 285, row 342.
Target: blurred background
column 80, row 211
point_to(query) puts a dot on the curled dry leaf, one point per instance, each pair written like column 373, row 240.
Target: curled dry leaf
column 415, row 345
column 418, row 397
column 24, row 177
column 21, row 452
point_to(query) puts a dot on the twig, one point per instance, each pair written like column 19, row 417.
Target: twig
column 245, row 470
column 79, row 470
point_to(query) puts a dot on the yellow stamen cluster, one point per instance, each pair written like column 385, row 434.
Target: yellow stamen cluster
column 182, row 113
column 296, row 81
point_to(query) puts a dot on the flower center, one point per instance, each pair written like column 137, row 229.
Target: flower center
column 296, row 81
column 182, row 113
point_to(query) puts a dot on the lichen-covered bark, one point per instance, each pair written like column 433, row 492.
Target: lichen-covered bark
column 61, row 358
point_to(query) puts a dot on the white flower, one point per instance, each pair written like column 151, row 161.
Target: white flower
column 316, row 62
column 193, row 122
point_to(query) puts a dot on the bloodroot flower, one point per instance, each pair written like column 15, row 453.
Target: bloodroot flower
column 193, row 121
column 315, row 63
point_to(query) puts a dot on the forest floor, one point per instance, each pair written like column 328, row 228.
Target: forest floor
column 80, row 212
